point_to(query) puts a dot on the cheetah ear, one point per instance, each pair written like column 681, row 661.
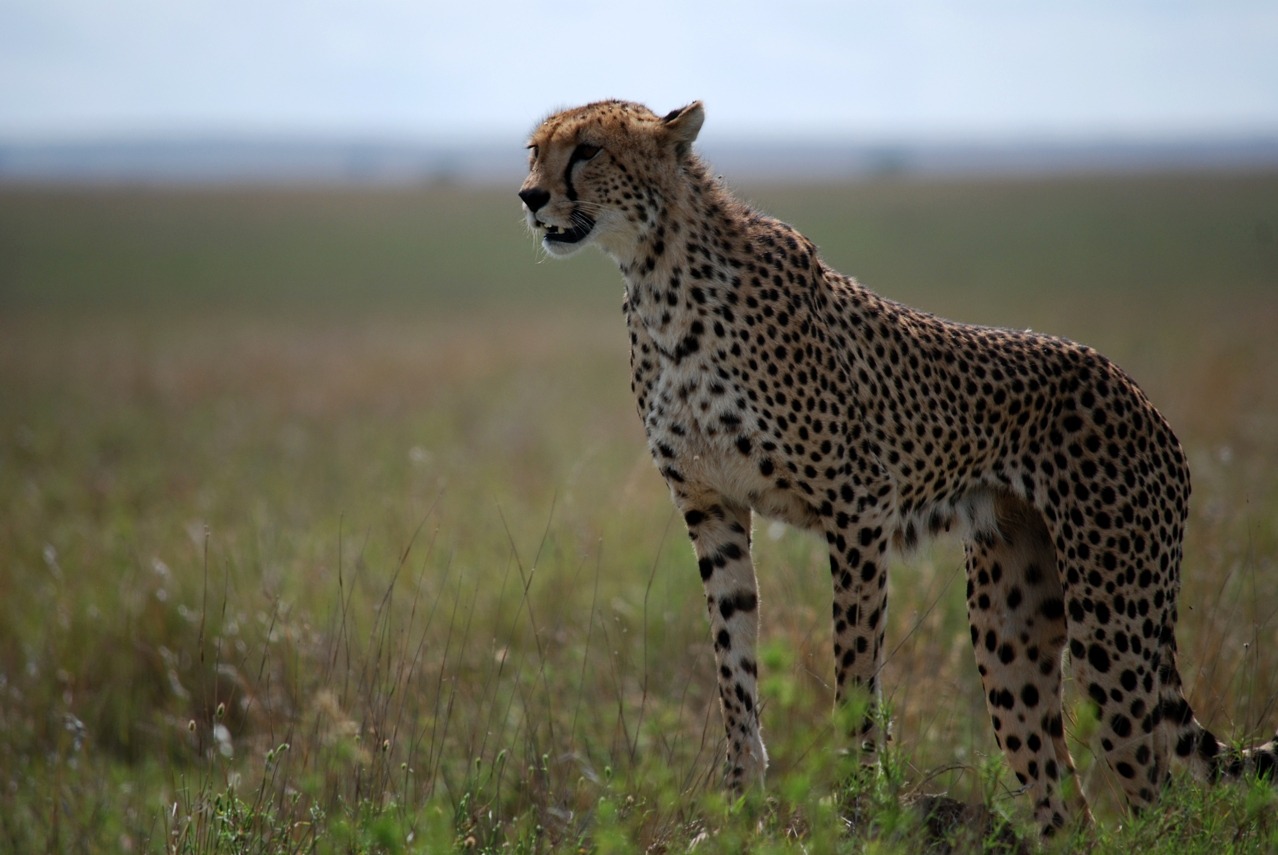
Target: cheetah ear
column 682, row 126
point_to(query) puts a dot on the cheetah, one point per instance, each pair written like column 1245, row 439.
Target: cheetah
column 770, row 384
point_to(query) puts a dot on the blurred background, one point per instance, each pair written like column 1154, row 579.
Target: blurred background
column 399, row 91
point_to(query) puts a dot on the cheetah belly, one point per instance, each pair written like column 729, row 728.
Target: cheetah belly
column 721, row 467
column 973, row 516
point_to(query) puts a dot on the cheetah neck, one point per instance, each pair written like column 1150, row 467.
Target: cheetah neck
column 686, row 264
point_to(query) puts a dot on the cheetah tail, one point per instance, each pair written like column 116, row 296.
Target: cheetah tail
column 1260, row 761
column 1209, row 757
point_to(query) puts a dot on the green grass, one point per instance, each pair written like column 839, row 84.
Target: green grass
column 328, row 524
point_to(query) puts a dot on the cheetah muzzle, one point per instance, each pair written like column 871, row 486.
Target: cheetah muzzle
column 582, row 224
column 770, row 384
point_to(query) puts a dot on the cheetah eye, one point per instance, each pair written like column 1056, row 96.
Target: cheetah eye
column 584, row 152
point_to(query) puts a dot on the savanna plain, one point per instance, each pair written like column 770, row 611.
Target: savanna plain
column 327, row 525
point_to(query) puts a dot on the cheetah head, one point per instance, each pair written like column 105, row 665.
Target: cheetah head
column 603, row 173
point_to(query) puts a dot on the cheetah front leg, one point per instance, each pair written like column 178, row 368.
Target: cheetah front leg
column 720, row 534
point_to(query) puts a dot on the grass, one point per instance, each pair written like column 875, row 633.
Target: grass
column 328, row 525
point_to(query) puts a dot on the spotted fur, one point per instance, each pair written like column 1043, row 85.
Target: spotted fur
column 769, row 383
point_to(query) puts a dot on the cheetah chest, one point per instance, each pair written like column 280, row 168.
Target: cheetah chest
column 707, row 438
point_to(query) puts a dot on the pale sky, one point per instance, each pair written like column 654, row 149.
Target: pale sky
column 429, row 68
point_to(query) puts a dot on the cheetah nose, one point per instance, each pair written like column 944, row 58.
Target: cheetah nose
column 534, row 198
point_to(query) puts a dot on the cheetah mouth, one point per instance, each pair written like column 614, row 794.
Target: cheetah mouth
column 582, row 224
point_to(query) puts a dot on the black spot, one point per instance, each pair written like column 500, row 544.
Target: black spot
column 1128, row 679
column 1098, row 658
column 1014, row 597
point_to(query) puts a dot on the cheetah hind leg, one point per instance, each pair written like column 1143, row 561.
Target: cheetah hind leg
column 1016, row 611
